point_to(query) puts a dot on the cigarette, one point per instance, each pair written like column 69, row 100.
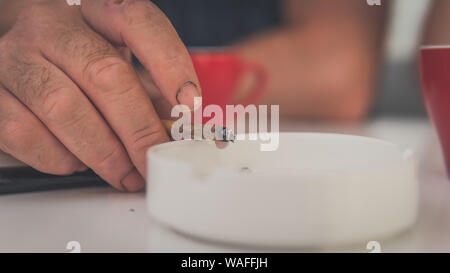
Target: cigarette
column 221, row 134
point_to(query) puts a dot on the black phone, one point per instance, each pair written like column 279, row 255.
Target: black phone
column 25, row 179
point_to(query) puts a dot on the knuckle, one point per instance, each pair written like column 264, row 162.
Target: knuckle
column 109, row 162
column 107, row 72
column 105, row 69
column 146, row 137
column 62, row 106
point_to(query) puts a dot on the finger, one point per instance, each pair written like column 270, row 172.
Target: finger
column 112, row 85
column 24, row 137
column 142, row 27
column 69, row 115
column 162, row 106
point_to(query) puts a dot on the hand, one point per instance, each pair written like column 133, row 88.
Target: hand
column 70, row 101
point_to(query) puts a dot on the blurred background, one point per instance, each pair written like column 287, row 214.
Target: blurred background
column 218, row 23
column 399, row 90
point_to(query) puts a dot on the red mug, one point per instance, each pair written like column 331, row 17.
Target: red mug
column 220, row 72
column 435, row 73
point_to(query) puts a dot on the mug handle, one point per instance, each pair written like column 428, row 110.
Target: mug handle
column 259, row 88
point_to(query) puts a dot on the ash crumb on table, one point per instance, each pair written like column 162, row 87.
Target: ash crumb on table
column 132, row 210
column 245, row 170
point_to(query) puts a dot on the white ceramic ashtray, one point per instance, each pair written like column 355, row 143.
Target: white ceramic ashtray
column 315, row 190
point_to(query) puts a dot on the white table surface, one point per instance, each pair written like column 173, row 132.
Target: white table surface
column 103, row 220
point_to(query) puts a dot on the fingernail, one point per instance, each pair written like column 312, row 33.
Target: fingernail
column 133, row 182
column 187, row 93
